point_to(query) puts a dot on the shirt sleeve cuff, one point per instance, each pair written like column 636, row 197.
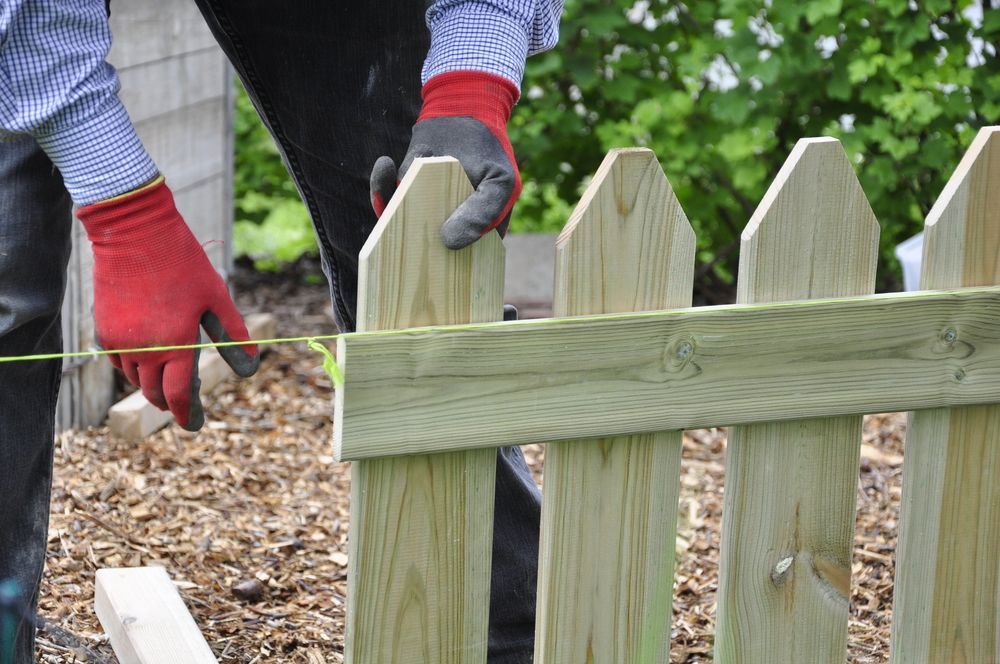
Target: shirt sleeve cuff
column 99, row 158
column 476, row 40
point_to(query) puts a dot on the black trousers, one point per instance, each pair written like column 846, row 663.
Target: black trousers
column 35, row 227
column 338, row 86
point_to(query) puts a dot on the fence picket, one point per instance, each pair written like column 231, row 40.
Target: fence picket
column 788, row 519
column 421, row 526
column 610, row 506
column 947, row 587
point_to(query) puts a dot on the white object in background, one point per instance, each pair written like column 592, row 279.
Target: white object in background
column 910, row 252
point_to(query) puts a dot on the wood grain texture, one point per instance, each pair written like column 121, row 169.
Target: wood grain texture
column 947, row 592
column 571, row 378
column 788, row 513
column 421, row 526
column 145, row 618
column 609, row 515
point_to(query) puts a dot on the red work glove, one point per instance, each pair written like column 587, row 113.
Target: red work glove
column 153, row 286
column 465, row 116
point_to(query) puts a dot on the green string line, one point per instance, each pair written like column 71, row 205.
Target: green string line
column 97, row 352
column 329, row 362
column 333, row 370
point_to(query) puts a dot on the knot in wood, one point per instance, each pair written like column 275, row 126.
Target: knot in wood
column 678, row 353
column 782, row 570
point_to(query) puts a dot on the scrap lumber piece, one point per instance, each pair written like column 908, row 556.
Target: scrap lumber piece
column 788, row 513
column 609, row 515
column 404, row 393
column 422, row 526
column 134, row 418
column 947, row 593
column 145, row 618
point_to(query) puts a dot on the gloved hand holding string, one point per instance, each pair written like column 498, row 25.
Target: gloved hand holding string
column 154, row 286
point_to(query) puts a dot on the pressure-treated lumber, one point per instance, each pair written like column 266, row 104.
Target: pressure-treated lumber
column 947, row 592
column 134, row 418
column 788, row 514
column 421, row 526
column 408, row 392
column 610, row 507
column 145, row 618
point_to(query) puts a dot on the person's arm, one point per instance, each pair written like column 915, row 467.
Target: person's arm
column 153, row 283
column 472, row 77
column 56, row 86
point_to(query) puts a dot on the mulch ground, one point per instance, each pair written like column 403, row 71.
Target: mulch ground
column 250, row 516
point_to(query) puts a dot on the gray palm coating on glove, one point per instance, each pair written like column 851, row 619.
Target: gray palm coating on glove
column 242, row 364
column 482, row 156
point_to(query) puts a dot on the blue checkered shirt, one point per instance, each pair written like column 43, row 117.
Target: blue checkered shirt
column 56, row 86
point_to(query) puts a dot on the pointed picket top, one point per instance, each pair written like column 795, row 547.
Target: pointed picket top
column 418, row 578
column 814, row 221
column 788, row 515
column 434, row 282
column 962, row 231
column 407, row 277
column 627, row 247
column 631, row 233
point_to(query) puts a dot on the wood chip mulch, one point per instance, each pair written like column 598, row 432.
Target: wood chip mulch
column 250, row 516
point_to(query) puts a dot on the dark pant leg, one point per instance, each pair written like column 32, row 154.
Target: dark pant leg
column 35, row 218
column 516, row 524
column 338, row 84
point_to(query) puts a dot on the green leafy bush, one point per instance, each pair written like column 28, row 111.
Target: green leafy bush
column 723, row 90
column 272, row 225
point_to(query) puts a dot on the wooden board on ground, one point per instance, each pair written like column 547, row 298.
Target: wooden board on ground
column 609, row 515
column 947, row 593
column 788, row 515
column 134, row 418
column 145, row 618
column 404, row 393
column 421, row 526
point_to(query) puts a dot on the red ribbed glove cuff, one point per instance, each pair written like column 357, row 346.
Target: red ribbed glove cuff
column 140, row 232
column 485, row 97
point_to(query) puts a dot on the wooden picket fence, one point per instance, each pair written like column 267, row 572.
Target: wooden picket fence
column 791, row 369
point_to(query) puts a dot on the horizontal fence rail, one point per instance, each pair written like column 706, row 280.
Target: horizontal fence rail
column 431, row 387
column 407, row 393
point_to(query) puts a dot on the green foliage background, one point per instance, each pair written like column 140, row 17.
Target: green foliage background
column 722, row 91
column 272, row 224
